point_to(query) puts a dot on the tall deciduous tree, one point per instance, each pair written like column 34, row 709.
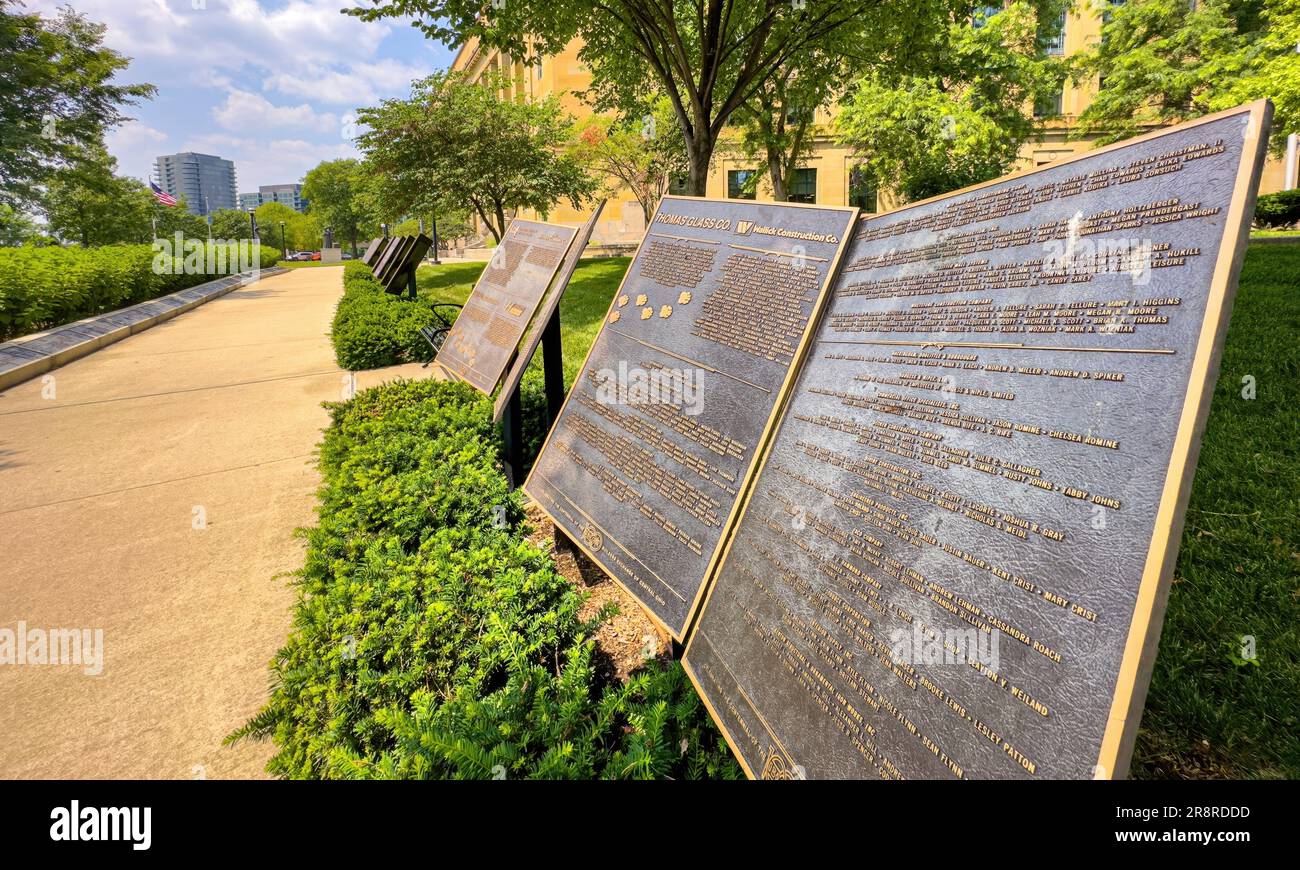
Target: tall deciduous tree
column 302, row 232
column 642, row 155
column 964, row 120
column 456, row 138
column 707, row 57
column 335, row 193
column 58, row 95
column 1166, row 61
column 88, row 203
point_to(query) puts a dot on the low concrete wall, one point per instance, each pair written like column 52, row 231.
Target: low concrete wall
column 35, row 354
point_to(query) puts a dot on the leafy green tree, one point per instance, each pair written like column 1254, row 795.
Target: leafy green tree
column 18, row 228
column 171, row 219
column 455, row 138
column 640, row 156
column 336, row 195
column 301, row 232
column 706, row 57
column 58, row 94
column 963, row 121
column 1167, row 61
column 88, row 203
column 778, row 125
column 231, row 224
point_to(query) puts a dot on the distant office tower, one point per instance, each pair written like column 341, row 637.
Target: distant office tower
column 287, row 194
column 207, row 182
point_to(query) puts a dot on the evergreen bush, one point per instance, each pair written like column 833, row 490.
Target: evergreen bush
column 431, row 640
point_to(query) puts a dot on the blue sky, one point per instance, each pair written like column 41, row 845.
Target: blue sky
column 269, row 84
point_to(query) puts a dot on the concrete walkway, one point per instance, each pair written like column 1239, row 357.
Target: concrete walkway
column 151, row 490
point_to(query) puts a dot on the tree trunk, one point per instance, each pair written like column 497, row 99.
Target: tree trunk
column 776, row 171
column 699, row 151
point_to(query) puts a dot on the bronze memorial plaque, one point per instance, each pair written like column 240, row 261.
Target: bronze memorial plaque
column 954, row 560
column 544, row 311
column 658, row 436
column 485, row 335
column 373, row 251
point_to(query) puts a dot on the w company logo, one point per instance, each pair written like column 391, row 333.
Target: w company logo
column 744, row 228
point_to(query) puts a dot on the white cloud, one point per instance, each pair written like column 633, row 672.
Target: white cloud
column 135, row 145
column 244, row 111
column 360, row 84
column 270, row 85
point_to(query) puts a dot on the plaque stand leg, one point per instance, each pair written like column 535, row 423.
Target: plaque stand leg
column 512, row 430
column 411, row 285
column 553, row 369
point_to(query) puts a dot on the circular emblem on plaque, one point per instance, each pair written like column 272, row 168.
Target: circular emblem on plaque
column 776, row 767
column 592, row 538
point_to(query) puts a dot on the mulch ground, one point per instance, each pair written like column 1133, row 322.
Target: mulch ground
column 625, row 641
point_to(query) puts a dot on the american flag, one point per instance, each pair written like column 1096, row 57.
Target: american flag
column 158, row 194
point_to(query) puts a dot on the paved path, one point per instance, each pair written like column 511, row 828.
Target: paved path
column 154, row 495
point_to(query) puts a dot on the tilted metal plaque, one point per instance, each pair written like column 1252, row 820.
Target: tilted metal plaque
column 657, row 438
column 544, row 312
column 487, row 332
column 392, row 260
column 399, row 271
column 373, row 251
column 955, row 559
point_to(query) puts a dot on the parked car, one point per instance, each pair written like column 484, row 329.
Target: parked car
column 301, row 256
column 315, row 257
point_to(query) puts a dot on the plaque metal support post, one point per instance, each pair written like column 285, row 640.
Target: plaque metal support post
column 512, row 430
column 410, row 283
column 553, row 370
column 553, row 367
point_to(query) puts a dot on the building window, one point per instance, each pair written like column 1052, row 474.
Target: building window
column 741, row 183
column 1108, row 13
column 1053, row 39
column 802, row 186
column 679, row 184
column 1048, row 106
column 862, row 191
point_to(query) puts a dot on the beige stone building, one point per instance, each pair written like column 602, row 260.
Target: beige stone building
column 827, row 175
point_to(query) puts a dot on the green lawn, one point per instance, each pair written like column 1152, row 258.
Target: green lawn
column 1238, row 571
column 1275, row 234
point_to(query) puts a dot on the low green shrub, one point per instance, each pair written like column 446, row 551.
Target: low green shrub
column 431, row 640
column 372, row 328
column 1281, row 209
column 41, row 288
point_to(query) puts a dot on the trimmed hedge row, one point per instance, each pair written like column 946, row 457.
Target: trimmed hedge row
column 1281, row 209
column 41, row 288
column 372, row 328
column 432, row 641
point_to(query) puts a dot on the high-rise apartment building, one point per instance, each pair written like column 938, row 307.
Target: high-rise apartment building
column 286, row 194
column 207, row 182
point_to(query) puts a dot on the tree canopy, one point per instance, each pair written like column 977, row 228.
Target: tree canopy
column 1167, row 61
column 336, row 194
column 707, row 57
column 58, row 95
column 454, row 137
column 964, row 116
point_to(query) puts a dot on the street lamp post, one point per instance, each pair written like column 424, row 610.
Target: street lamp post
column 436, row 261
column 252, row 224
column 384, row 227
column 284, row 245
